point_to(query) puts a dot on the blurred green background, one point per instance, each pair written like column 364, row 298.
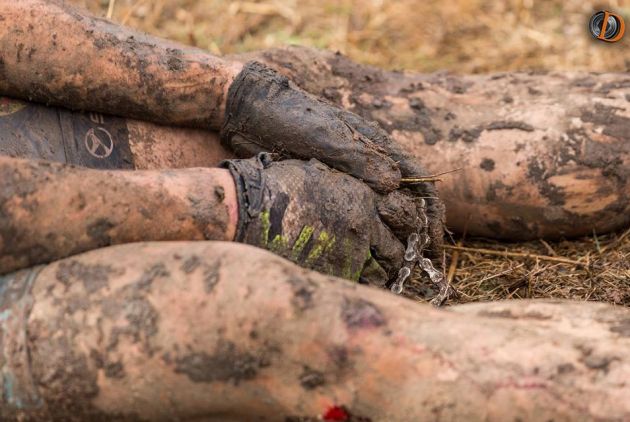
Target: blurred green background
column 466, row 36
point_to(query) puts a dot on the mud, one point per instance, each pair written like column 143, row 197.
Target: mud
column 227, row 364
column 303, row 290
column 606, row 88
column 340, row 357
column 466, row 135
column 540, row 177
column 219, row 192
column 211, row 275
column 400, row 211
column 99, row 232
column 267, row 112
column 121, row 70
column 471, row 135
column 316, row 217
column 487, row 164
column 612, row 124
column 93, row 277
column 361, row 314
column 190, row 264
column 100, row 209
column 310, row 378
column 622, row 328
column 500, row 125
column 131, row 305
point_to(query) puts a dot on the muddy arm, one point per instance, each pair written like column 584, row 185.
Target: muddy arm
column 52, row 54
column 218, row 331
column 49, row 211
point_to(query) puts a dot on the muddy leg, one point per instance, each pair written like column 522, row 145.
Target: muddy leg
column 88, row 63
column 49, row 211
column 221, row 331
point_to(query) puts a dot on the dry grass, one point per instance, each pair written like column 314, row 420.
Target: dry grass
column 602, row 275
column 459, row 35
column 466, row 36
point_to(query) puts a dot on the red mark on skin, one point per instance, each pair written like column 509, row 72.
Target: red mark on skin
column 336, row 413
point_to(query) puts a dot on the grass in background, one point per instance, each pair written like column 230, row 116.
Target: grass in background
column 467, row 36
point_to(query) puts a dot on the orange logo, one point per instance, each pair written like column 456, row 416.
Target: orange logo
column 607, row 26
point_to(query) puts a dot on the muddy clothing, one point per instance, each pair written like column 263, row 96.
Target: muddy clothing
column 93, row 140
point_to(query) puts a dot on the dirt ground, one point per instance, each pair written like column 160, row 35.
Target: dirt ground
column 464, row 36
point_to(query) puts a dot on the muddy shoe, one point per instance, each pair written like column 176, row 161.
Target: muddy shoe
column 321, row 218
column 267, row 112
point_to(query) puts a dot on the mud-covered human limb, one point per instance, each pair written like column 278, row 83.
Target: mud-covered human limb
column 223, row 331
column 54, row 53
column 92, row 64
column 320, row 218
column 540, row 154
column 106, row 142
column 49, row 210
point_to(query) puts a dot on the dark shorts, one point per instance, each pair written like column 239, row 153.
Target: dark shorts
column 92, row 140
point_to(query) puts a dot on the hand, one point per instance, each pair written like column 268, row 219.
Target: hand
column 321, row 218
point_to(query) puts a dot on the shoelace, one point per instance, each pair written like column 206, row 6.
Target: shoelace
column 417, row 242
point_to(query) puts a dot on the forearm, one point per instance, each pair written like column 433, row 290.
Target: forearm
column 142, row 330
column 49, row 211
column 52, row 54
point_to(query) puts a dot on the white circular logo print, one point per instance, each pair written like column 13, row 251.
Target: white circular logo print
column 99, row 142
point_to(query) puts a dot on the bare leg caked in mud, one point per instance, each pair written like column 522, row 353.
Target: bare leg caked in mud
column 49, row 210
column 53, row 53
column 222, row 331
column 93, row 64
